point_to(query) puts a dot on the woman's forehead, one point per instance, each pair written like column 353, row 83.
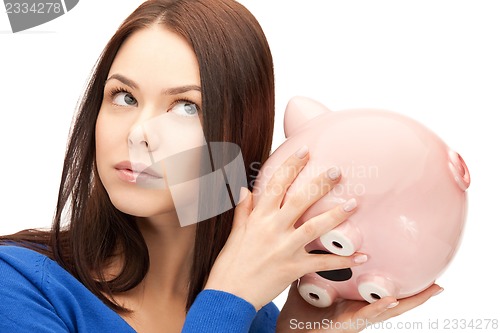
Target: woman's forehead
column 156, row 55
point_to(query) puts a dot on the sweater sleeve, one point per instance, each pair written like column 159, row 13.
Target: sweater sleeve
column 37, row 295
column 22, row 306
column 218, row 311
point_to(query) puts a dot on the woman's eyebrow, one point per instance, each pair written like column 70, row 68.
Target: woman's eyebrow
column 123, row 80
column 168, row 91
column 181, row 89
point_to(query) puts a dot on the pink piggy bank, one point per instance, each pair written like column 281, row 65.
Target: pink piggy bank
column 411, row 193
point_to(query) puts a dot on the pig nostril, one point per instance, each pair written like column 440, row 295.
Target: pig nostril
column 337, row 245
column 375, row 296
column 313, row 296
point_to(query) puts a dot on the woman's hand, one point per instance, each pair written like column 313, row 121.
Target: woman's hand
column 264, row 253
column 344, row 316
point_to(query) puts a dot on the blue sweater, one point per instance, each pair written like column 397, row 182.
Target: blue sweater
column 38, row 295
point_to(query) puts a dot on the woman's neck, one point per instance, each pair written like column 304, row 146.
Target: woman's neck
column 170, row 253
column 171, row 250
column 158, row 302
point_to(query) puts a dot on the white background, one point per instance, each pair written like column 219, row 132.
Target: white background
column 436, row 61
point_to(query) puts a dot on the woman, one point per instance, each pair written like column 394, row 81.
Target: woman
column 116, row 258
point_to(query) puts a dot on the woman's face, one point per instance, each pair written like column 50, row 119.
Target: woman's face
column 149, row 113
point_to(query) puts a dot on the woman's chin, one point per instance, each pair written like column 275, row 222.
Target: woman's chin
column 143, row 205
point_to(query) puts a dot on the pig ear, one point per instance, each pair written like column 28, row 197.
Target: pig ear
column 299, row 111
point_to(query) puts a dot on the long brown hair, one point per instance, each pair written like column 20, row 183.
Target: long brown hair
column 237, row 82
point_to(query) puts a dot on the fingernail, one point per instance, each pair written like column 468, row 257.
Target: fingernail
column 392, row 305
column 350, row 205
column 360, row 258
column 334, row 173
column 302, row 152
column 438, row 292
column 243, row 194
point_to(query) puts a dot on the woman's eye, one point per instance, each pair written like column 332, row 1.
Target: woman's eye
column 185, row 108
column 124, row 99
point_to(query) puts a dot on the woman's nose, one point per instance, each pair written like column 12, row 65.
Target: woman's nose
column 142, row 138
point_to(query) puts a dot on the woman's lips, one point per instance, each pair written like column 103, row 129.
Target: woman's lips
column 137, row 171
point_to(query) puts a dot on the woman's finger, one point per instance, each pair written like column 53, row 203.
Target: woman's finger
column 389, row 307
column 329, row 261
column 371, row 313
column 308, row 194
column 321, row 224
column 273, row 193
column 244, row 207
column 409, row 303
